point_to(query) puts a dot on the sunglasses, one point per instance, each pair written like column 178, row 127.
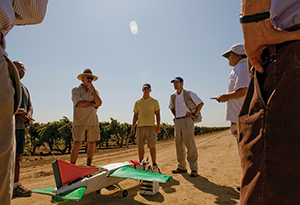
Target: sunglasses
column 90, row 78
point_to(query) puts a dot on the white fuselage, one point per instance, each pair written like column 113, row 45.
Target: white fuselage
column 99, row 180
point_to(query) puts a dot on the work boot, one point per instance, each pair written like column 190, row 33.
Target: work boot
column 21, row 191
column 194, row 174
column 179, row 171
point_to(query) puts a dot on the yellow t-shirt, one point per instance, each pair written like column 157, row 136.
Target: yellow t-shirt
column 146, row 111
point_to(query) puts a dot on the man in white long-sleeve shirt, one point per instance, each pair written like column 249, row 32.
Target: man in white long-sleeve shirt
column 12, row 12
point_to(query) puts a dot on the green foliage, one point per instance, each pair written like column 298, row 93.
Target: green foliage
column 114, row 132
column 33, row 139
column 49, row 134
column 167, row 132
column 57, row 135
column 203, row 130
column 65, row 132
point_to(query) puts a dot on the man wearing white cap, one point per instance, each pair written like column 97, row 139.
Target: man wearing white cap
column 85, row 119
column 237, row 85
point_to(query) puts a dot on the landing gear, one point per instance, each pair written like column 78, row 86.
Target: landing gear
column 124, row 193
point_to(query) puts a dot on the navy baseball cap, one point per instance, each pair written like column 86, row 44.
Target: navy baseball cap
column 177, row 79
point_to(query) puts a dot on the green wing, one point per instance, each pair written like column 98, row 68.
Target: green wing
column 73, row 195
column 47, row 191
column 127, row 172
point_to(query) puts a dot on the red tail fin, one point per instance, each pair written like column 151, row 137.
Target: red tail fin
column 65, row 172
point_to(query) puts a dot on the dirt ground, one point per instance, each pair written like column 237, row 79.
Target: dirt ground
column 219, row 170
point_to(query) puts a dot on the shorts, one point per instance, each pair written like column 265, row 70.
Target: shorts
column 92, row 133
column 20, row 141
column 146, row 134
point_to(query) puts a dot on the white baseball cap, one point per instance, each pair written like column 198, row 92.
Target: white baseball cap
column 237, row 49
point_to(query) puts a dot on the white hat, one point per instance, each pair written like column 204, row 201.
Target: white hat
column 237, row 49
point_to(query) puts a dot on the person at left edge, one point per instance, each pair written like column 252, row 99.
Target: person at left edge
column 23, row 118
column 16, row 12
column 86, row 101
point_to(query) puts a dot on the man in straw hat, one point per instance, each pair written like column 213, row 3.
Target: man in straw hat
column 86, row 101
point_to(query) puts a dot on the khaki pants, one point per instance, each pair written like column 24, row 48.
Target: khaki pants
column 233, row 129
column 185, row 137
column 7, row 132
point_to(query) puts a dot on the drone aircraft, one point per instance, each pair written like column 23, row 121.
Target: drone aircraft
column 72, row 181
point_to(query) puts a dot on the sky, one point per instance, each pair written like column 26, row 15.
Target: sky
column 171, row 38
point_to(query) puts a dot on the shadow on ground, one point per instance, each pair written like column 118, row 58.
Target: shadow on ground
column 224, row 194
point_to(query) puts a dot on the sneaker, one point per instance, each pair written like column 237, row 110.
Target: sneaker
column 155, row 167
column 21, row 191
column 194, row 174
column 179, row 171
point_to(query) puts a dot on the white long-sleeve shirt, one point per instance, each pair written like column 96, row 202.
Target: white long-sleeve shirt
column 20, row 12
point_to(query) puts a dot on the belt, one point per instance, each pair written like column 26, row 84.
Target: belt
column 270, row 52
column 181, row 117
column 273, row 49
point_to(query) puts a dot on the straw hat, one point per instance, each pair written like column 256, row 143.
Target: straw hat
column 87, row 72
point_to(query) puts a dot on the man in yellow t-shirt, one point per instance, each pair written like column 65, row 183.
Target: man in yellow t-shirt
column 144, row 110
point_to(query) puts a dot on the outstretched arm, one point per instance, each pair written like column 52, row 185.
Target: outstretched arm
column 235, row 94
column 259, row 34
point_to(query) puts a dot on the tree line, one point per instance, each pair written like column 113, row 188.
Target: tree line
column 57, row 135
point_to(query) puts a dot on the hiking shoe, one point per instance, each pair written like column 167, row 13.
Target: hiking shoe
column 179, row 171
column 194, row 174
column 21, row 191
